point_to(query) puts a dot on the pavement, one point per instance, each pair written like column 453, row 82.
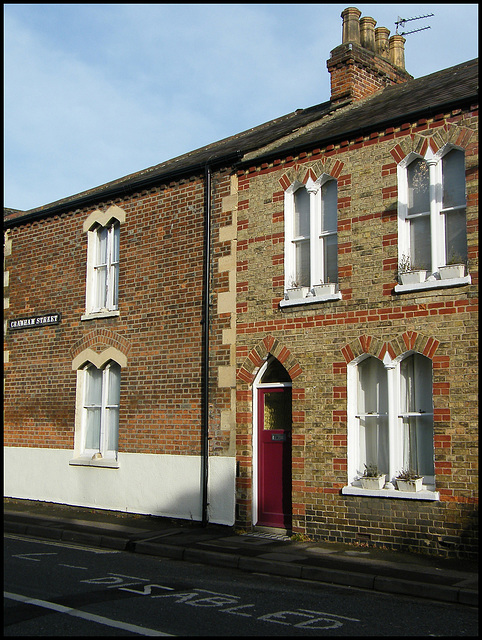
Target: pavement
column 261, row 550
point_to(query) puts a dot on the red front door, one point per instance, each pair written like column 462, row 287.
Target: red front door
column 274, row 457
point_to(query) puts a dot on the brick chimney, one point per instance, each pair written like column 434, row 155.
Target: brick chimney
column 367, row 61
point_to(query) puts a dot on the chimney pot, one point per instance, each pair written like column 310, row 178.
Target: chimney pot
column 367, row 33
column 397, row 51
column 351, row 25
column 381, row 42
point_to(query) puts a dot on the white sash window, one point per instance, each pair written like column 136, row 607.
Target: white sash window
column 390, row 417
column 311, row 238
column 101, row 410
column 104, row 276
column 432, row 229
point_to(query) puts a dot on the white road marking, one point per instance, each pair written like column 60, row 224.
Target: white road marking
column 77, row 613
column 66, row 545
column 27, row 556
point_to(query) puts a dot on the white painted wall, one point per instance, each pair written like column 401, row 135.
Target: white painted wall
column 161, row 485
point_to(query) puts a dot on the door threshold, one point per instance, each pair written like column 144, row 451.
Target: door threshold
column 271, row 531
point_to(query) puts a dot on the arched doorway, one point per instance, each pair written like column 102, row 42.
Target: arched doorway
column 272, row 425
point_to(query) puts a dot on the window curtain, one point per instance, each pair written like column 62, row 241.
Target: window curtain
column 373, row 414
column 417, row 414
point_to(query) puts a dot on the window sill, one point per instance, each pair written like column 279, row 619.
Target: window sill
column 309, row 300
column 107, row 463
column 100, row 314
column 427, row 493
column 433, row 284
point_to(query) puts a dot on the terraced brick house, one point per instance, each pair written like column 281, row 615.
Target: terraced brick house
column 238, row 334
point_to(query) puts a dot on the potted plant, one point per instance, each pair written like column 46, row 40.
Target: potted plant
column 372, row 478
column 324, row 288
column 296, row 291
column 409, row 480
column 455, row 268
column 409, row 273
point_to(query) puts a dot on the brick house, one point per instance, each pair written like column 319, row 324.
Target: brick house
column 300, row 356
column 377, row 372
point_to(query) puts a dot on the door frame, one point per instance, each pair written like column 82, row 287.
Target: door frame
column 255, row 445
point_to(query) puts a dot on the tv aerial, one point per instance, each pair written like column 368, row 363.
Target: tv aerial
column 402, row 21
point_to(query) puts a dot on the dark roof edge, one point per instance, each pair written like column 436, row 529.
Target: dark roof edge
column 412, row 115
column 76, row 202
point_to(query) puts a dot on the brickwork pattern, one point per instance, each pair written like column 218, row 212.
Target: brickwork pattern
column 159, row 324
column 323, row 337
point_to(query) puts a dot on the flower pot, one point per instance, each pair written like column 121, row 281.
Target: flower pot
column 414, row 277
column 410, row 485
column 373, row 483
column 297, row 293
column 452, row 271
column 325, row 289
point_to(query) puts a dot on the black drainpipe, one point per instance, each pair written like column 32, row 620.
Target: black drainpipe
column 205, row 345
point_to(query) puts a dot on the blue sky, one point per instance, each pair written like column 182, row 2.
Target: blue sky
column 94, row 92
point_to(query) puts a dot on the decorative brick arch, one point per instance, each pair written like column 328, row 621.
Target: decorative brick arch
column 98, row 341
column 407, row 341
column 257, row 356
column 436, row 139
column 103, row 218
column 302, row 172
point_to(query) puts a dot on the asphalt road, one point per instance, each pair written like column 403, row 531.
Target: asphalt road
column 56, row 588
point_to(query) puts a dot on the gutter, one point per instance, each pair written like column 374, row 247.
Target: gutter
column 117, row 190
column 205, row 346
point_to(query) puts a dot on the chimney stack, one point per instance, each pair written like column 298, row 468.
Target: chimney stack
column 367, row 61
column 367, row 33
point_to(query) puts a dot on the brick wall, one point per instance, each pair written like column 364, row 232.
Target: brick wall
column 159, row 325
column 318, row 340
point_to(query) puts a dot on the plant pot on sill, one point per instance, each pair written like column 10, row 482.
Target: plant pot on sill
column 409, row 485
column 297, row 293
column 452, row 271
column 377, row 482
column 325, row 289
column 414, row 277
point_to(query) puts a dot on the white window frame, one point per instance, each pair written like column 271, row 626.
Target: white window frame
column 316, row 238
column 395, row 435
column 111, row 267
column 101, row 456
column 437, row 224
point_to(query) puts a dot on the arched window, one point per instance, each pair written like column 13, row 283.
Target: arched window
column 432, row 231
column 390, row 417
column 372, row 414
column 97, row 406
column 311, row 239
column 103, row 248
column 101, row 410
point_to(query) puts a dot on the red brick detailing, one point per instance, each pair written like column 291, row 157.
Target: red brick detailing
column 309, row 174
column 255, row 358
column 284, row 353
column 295, row 371
column 284, row 182
column 409, row 338
column 397, row 153
column 442, row 442
column 337, row 169
column 431, row 347
column 347, row 353
column 387, row 348
column 365, row 342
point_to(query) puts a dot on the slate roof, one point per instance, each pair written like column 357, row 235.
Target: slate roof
column 302, row 129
